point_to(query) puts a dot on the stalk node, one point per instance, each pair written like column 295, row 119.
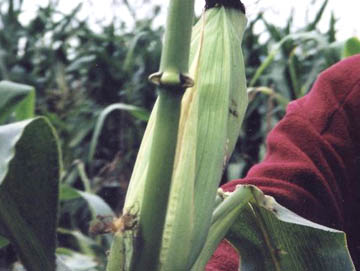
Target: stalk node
column 171, row 79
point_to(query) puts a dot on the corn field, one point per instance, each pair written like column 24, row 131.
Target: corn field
column 91, row 88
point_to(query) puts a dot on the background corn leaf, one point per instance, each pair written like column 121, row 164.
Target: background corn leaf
column 60, row 265
column 17, row 100
column 96, row 204
column 137, row 112
column 3, row 242
column 351, row 47
column 76, row 261
column 78, row 71
column 29, row 173
column 271, row 237
column 86, row 244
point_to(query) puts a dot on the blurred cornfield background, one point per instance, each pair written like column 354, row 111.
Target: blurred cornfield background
column 93, row 87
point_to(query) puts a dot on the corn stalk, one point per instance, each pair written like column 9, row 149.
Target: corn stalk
column 188, row 140
column 172, row 81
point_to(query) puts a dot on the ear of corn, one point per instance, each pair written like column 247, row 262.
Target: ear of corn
column 211, row 114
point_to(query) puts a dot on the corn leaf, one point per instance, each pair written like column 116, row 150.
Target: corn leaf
column 29, row 174
column 137, row 112
column 76, row 261
column 3, row 242
column 96, row 204
column 351, row 47
column 319, row 14
column 16, row 99
column 270, row 237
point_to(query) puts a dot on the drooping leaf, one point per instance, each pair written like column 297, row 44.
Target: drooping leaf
column 295, row 39
column 85, row 244
column 94, row 249
column 76, row 261
column 17, row 99
column 80, row 63
column 29, row 173
column 272, row 238
column 60, row 266
column 96, row 204
column 68, row 193
column 129, row 59
column 134, row 110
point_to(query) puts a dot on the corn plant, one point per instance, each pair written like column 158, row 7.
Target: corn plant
column 174, row 215
column 28, row 190
column 172, row 219
column 30, row 167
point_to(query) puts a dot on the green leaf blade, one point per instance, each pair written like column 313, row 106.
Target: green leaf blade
column 29, row 174
column 137, row 112
column 17, row 99
column 351, row 47
column 271, row 237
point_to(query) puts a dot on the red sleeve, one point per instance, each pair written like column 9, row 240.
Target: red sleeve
column 312, row 165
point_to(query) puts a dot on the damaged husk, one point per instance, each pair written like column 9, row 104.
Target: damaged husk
column 237, row 4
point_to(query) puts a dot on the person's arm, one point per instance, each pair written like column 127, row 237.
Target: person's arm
column 312, row 162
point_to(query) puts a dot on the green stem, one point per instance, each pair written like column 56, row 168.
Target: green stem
column 172, row 80
column 176, row 49
column 157, row 186
column 173, row 69
column 117, row 254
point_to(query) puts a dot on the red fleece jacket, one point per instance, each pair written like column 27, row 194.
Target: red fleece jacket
column 312, row 163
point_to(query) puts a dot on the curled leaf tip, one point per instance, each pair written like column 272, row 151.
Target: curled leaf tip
column 237, row 4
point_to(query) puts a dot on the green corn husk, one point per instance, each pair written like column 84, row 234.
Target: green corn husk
column 211, row 115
